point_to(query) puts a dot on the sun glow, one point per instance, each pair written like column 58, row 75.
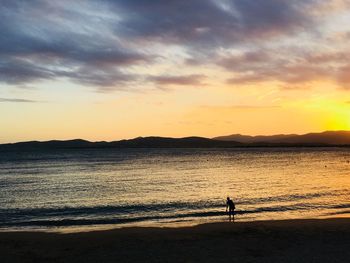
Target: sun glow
column 335, row 115
column 340, row 120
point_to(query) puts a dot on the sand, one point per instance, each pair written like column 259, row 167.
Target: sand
column 324, row 240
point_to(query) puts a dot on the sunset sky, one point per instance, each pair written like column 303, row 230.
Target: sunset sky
column 108, row 70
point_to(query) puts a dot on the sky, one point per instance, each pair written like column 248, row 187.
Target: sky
column 115, row 69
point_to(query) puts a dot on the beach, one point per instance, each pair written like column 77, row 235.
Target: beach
column 303, row 240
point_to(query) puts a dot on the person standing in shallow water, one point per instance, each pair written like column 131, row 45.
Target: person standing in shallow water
column 230, row 208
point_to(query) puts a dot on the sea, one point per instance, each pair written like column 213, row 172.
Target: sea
column 83, row 189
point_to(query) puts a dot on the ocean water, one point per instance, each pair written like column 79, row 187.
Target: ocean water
column 65, row 189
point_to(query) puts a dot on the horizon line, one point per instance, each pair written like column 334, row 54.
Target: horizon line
column 157, row 136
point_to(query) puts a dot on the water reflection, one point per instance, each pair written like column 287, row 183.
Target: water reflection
column 104, row 186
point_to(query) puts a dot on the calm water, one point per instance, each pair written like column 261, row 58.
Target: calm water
column 86, row 188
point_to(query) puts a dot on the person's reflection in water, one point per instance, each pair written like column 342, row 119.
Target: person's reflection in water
column 230, row 208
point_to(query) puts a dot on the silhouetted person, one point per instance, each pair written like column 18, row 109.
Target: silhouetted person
column 230, row 208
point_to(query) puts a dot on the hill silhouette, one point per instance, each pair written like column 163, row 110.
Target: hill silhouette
column 254, row 139
column 166, row 142
column 328, row 138
column 140, row 142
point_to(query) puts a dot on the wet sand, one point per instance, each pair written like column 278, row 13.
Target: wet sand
column 324, row 240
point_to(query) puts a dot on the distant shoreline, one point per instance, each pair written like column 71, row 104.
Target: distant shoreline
column 301, row 240
column 289, row 146
column 324, row 139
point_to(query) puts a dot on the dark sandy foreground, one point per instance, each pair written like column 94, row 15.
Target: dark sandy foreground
column 265, row 241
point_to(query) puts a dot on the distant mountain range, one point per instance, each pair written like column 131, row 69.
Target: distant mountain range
column 328, row 138
column 140, row 142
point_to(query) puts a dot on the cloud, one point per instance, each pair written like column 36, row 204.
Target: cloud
column 41, row 40
column 344, row 76
column 191, row 80
column 291, row 67
column 103, row 43
column 251, row 57
column 18, row 100
column 16, row 71
column 210, row 23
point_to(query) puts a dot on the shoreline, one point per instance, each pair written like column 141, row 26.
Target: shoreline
column 154, row 224
column 296, row 240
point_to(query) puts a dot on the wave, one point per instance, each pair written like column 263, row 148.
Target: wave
column 120, row 209
column 201, row 204
column 84, row 216
column 295, row 197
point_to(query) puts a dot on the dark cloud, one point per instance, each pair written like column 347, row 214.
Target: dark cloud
column 191, row 80
column 40, row 41
column 210, row 23
column 16, row 71
column 99, row 43
column 103, row 77
column 17, row 100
